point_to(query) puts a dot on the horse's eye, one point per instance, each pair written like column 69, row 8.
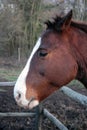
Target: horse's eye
column 42, row 53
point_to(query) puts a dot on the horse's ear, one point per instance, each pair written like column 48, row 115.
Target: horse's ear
column 66, row 20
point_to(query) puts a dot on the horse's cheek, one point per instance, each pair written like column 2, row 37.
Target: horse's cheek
column 61, row 70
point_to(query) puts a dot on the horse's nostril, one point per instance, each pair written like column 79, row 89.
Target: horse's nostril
column 18, row 96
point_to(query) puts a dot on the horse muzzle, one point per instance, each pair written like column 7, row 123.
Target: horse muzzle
column 23, row 102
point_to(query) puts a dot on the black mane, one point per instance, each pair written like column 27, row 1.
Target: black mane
column 80, row 25
column 55, row 25
column 58, row 21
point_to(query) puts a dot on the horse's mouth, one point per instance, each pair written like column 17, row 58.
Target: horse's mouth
column 27, row 104
column 33, row 103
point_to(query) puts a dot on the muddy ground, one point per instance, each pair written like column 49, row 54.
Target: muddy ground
column 69, row 112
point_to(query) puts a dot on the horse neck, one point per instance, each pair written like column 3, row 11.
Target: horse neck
column 78, row 46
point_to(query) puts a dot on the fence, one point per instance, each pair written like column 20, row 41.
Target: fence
column 40, row 111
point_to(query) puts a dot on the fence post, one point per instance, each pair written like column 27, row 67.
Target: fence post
column 39, row 114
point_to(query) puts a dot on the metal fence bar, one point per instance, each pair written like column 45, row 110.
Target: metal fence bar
column 38, row 118
column 14, row 114
column 39, row 115
column 2, row 90
column 2, row 84
column 75, row 95
column 54, row 120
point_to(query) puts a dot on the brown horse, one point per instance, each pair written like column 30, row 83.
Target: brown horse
column 59, row 56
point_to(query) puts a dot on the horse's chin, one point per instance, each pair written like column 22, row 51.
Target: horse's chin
column 33, row 104
column 30, row 105
column 27, row 104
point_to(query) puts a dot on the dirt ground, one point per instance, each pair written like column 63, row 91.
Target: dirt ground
column 69, row 112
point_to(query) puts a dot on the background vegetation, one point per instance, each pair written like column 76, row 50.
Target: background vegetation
column 21, row 23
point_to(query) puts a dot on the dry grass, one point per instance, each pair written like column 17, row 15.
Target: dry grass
column 10, row 69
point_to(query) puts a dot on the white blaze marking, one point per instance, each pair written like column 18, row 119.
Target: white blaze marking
column 20, row 86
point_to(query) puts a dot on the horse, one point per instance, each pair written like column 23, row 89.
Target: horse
column 59, row 56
